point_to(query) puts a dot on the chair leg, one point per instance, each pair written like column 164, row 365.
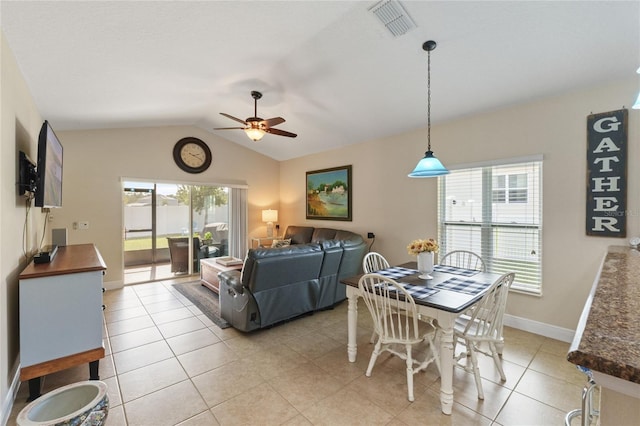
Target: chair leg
column 497, row 360
column 409, row 373
column 476, row 371
column 374, row 357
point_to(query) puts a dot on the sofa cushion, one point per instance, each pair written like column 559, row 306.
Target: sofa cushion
column 299, row 234
column 348, row 238
column 323, row 234
column 267, row 268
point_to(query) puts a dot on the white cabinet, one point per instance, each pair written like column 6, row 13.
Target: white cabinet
column 61, row 314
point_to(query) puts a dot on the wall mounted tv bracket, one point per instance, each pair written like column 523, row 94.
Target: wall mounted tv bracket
column 27, row 175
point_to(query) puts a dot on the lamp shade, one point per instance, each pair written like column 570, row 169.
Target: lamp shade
column 429, row 166
column 269, row 215
column 254, row 133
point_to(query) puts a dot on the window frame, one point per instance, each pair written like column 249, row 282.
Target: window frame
column 484, row 231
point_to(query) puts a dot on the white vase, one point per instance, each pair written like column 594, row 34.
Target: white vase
column 425, row 265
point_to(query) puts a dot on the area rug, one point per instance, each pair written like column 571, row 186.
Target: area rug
column 205, row 299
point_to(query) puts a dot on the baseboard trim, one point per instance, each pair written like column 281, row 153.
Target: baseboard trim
column 537, row 327
column 112, row 285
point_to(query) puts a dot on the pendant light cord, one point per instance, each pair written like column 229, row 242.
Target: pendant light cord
column 429, row 100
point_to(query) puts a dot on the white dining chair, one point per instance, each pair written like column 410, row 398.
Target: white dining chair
column 395, row 322
column 481, row 330
column 463, row 259
column 373, row 262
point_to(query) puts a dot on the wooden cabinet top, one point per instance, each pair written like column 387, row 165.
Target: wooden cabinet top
column 68, row 260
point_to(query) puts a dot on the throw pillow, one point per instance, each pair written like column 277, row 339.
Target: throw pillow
column 281, row 243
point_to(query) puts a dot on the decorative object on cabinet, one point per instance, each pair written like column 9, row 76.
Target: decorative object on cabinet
column 329, row 194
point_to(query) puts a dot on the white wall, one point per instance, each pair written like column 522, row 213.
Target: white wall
column 19, row 127
column 399, row 209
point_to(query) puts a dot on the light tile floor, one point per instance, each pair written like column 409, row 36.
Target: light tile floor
column 168, row 364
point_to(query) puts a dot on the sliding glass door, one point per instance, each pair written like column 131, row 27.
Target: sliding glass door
column 169, row 227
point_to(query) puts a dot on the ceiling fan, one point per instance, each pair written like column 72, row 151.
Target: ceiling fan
column 256, row 127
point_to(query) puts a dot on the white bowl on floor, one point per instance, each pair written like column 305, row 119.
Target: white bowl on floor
column 78, row 404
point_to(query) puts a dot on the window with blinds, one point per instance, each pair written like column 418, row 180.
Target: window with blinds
column 496, row 212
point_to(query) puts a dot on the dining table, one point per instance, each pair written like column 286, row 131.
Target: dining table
column 450, row 292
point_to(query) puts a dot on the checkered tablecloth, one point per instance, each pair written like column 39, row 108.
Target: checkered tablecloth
column 455, row 271
column 396, row 272
column 463, row 285
column 416, row 291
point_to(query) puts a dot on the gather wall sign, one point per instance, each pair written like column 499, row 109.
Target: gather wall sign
column 607, row 174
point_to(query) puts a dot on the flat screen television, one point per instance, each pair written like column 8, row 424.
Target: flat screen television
column 48, row 192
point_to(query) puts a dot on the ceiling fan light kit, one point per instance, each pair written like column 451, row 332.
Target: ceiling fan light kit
column 256, row 127
column 254, row 134
column 429, row 166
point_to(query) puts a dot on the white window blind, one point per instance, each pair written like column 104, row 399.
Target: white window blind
column 496, row 212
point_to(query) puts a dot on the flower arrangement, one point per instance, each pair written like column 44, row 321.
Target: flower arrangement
column 420, row 246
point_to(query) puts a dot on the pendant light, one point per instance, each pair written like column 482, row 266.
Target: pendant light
column 429, row 166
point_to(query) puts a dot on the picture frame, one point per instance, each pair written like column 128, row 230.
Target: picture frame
column 329, row 194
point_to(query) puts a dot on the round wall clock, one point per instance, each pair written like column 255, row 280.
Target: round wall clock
column 192, row 155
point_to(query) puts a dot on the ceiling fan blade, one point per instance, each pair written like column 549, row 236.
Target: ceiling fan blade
column 228, row 128
column 234, row 118
column 269, row 122
column 280, row 132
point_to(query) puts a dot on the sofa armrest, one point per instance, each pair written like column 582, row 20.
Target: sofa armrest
column 232, row 279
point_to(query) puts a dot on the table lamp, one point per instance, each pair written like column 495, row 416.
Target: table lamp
column 269, row 216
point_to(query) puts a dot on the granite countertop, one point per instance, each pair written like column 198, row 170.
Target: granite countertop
column 607, row 338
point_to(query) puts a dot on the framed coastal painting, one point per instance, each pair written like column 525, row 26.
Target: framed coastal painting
column 329, row 194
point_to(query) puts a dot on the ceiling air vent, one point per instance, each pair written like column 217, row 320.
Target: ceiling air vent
column 393, row 16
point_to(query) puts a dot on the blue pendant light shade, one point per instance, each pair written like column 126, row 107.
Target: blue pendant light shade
column 429, row 166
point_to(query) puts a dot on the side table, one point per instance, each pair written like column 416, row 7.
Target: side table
column 209, row 270
column 257, row 242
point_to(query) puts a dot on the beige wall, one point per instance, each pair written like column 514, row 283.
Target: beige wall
column 96, row 160
column 19, row 127
column 399, row 209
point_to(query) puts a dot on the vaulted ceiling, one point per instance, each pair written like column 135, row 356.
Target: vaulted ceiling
column 330, row 68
